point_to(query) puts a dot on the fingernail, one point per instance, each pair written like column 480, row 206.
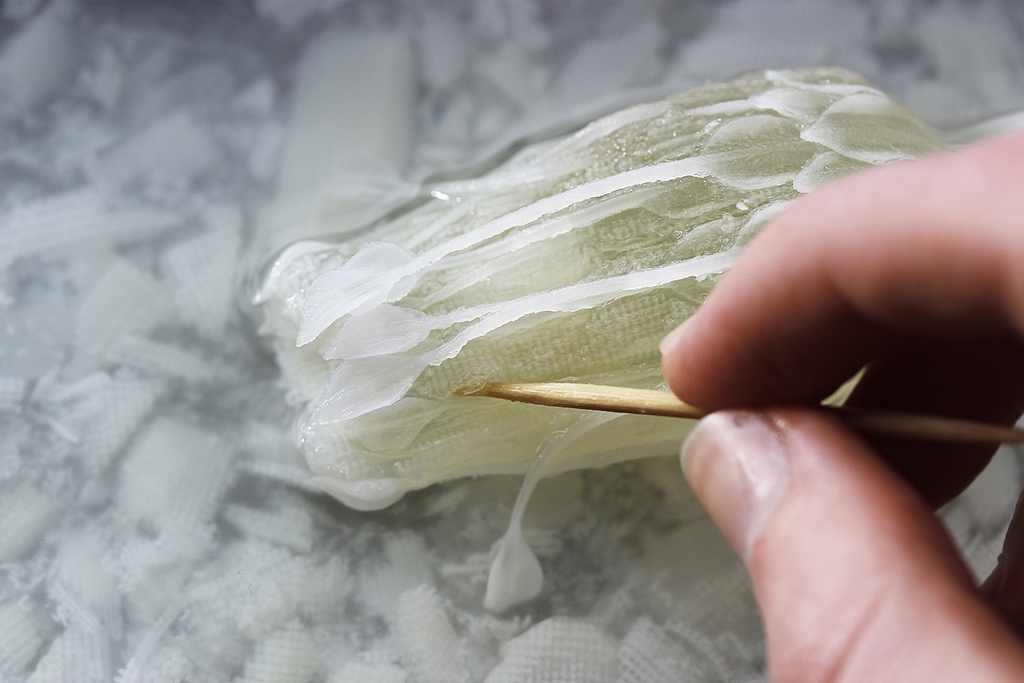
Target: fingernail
column 671, row 341
column 737, row 464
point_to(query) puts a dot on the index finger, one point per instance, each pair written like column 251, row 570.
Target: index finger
column 932, row 247
column 914, row 269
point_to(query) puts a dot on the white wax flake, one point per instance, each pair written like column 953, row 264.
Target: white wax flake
column 77, row 217
column 164, row 159
column 164, row 360
column 256, row 587
column 572, row 259
column 345, row 120
column 21, row 637
column 991, row 496
column 511, row 70
column 750, row 34
column 37, row 62
column 407, row 564
column 107, row 418
column 167, row 665
column 558, row 650
column 25, row 515
column 201, row 272
column 12, row 391
column 897, row 129
column 80, row 570
column 287, row 655
column 977, row 520
column 173, row 475
column 430, row 647
column 289, row 526
column 966, row 82
column 358, row 672
column 13, row 433
column 613, row 64
column 650, row 654
column 78, row 655
column 126, row 300
column 443, row 51
column 104, row 80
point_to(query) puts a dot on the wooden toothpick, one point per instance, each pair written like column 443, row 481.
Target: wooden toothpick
column 653, row 402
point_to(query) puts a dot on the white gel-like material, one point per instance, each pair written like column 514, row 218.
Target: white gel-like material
column 566, row 263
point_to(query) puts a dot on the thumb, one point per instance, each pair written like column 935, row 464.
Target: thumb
column 855, row 577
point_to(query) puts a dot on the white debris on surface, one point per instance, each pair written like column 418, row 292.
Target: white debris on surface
column 80, row 654
column 350, row 127
column 37, row 62
column 126, row 300
column 289, row 525
column 407, row 564
column 287, row 655
column 43, row 226
column 978, row 518
column 202, row 272
column 173, row 474
column 429, row 645
column 25, row 515
column 109, row 415
column 12, row 391
column 358, row 672
column 156, row 520
column 21, row 637
column 163, row 360
column 558, row 649
column 14, row 432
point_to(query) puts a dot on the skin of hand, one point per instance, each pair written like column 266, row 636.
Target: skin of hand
column 916, row 271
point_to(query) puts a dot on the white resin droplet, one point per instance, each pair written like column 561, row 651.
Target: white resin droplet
column 515, row 575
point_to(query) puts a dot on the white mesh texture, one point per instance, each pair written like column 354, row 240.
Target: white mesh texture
column 557, row 650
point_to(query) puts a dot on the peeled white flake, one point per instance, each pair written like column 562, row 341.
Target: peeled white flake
column 37, row 61
column 430, row 647
column 557, row 650
column 158, row 358
column 79, row 655
column 14, row 432
column 12, row 391
column 126, row 300
column 407, row 565
column 164, row 159
column 651, row 654
column 202, row 272
column 25, row 515
column 358, row 672
column 289, row 526
column 80, row 571
column 173, row 475
column 110, row 416
column 74, row 218
column 285, row 656
column 569, row 262
column 352, row 118
column 21, row 638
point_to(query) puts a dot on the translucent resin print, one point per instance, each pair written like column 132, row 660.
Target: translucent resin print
column 566, row 263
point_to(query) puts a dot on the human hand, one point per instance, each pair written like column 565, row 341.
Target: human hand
column 916, row 270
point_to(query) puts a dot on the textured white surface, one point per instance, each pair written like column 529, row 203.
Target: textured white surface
column 157, row 522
